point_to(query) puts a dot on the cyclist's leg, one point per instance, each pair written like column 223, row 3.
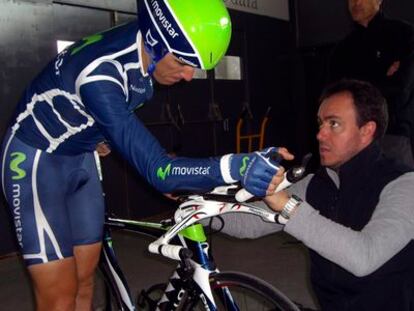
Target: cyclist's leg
column 87, row 257
column 35, row 187
column 54, row 284
column 39, row 188
column 86, row 212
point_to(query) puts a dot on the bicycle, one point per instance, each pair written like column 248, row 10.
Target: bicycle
column 197, row 283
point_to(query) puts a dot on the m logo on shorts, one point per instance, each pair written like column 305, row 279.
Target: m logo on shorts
column 18, row 158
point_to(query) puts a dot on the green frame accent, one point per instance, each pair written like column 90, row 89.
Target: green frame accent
column 194, row 233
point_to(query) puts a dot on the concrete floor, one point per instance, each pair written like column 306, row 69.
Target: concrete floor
column 278, row 259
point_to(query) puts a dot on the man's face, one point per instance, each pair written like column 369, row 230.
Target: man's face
column 339, row 136
column 170, row 70
column 362, row 11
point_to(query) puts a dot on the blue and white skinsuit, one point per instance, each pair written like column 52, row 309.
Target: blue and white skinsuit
column 86, row 95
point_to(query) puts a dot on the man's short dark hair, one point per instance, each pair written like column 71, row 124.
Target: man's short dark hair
column 369, row 103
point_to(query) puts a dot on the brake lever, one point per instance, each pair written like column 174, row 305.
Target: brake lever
column 298, row 172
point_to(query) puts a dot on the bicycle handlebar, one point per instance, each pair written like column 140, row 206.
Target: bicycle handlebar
column 216, row 202
column 198, row 207
column 175, row 252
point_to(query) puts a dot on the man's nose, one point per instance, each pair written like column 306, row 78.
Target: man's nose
column 321, row 133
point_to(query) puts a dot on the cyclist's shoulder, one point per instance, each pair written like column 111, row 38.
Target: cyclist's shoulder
column 116, row 45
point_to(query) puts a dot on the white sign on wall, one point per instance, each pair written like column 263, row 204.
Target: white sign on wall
column 273, row 8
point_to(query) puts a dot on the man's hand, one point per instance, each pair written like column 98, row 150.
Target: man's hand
column 277, row 201
column 278, row 178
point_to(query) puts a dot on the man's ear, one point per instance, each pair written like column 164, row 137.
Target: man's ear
column 368, row 130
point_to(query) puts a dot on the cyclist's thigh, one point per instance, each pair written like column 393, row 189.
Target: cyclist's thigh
column 35, row 184
column 85, row 203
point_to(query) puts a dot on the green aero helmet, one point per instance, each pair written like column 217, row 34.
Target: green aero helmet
column 197, row 32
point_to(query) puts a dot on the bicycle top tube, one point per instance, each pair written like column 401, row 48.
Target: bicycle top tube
column 147, row 228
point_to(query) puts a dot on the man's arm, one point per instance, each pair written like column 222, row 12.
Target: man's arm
column 247, row 226
column 390, row 229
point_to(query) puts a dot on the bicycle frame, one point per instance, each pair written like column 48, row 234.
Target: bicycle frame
column 197, row 273
column 108, row 262
column 196, row 263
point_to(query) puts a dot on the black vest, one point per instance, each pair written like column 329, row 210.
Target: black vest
column 389, row 288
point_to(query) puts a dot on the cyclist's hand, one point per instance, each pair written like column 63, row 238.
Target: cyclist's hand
column 103, row 149
column 255, row 170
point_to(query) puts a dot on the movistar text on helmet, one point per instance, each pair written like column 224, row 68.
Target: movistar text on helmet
column 163, row 20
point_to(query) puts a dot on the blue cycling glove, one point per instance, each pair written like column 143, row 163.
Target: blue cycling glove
column 254, row 170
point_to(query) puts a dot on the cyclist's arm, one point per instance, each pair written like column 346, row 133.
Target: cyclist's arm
column 106, row 101
column 390, row 229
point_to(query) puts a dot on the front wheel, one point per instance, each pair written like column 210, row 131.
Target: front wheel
column 247, row 292
column 233, row 291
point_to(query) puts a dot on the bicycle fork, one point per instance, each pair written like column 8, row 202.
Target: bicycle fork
column 190, row 282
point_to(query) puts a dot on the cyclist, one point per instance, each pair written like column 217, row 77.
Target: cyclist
column 87, row 95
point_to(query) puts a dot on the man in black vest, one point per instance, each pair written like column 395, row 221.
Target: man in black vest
column 356, row 213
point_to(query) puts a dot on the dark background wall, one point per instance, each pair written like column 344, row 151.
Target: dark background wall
column 283, row 66
column 319, row 25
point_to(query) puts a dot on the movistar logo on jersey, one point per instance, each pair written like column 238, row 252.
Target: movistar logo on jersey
column 136, row 89
column 163, row 19
column 17, row 213
column 243, row 168
column 18, row 158
column 163, row 173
